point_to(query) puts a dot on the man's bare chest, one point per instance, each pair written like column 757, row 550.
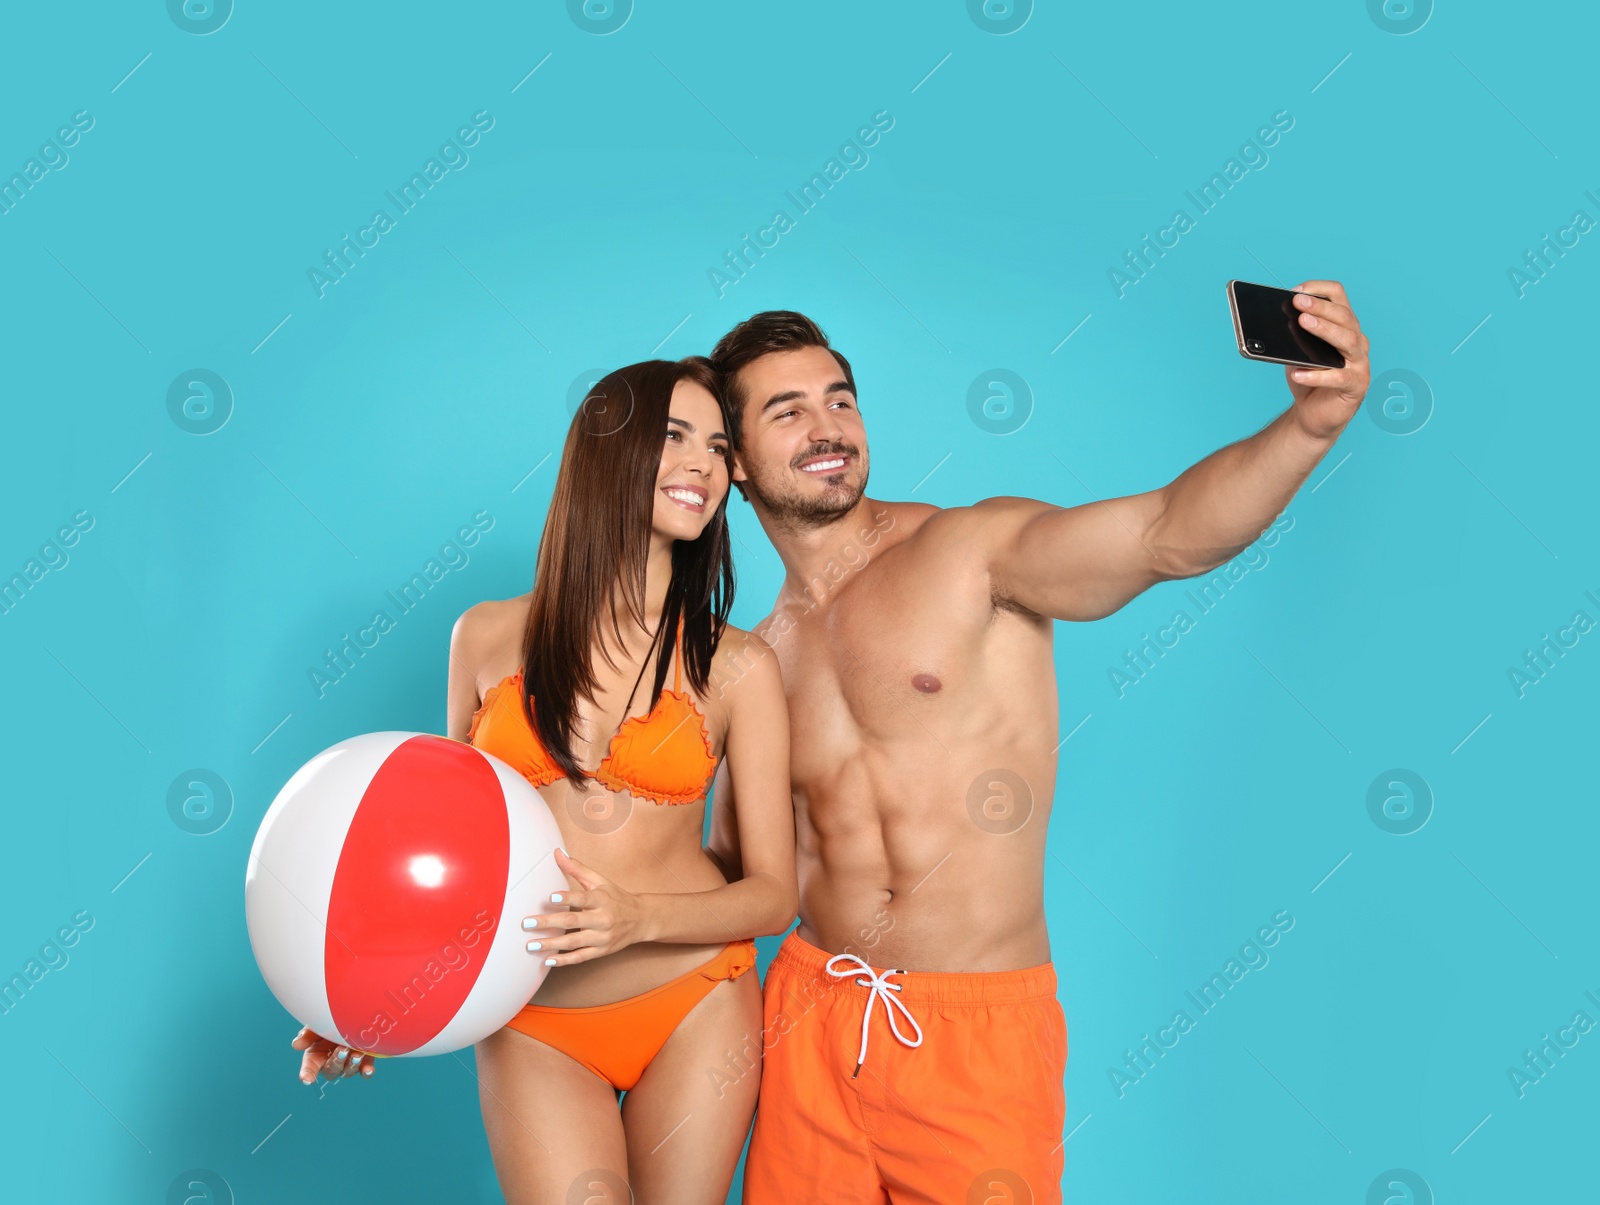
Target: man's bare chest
column 875, row 660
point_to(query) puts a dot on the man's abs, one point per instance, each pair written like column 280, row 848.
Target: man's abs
column 922, row 758
column 894, row 868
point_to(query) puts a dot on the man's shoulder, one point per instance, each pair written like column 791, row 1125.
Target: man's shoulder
column 987, row 511
column 957, row 528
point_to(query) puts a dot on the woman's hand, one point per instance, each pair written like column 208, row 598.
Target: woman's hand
column 330, row 1059
column 600, row 918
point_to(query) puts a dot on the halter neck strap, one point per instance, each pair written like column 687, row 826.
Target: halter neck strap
column 677, row 666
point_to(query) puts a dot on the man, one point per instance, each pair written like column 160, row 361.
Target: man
column 915, row 645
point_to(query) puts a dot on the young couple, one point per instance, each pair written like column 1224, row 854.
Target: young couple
column 884, row 749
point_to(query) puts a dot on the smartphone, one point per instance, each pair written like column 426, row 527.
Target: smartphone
column 1268, row 328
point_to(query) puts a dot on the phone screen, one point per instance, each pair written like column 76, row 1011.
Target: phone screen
column 1270, row 326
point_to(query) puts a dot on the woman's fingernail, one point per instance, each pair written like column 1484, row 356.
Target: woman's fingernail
column 533, row 945
column 530, row 923
column 555, row 897
column 549, row 962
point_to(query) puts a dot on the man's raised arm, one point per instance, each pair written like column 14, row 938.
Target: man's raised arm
column 1085, row 562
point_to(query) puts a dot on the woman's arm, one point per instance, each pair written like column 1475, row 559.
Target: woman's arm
column 461, row 689
column 603, row 917
column 723, row 845
column 763, row 898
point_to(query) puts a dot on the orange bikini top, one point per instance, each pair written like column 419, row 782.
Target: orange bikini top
column 660, row 756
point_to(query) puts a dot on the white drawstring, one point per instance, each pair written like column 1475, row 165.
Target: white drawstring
column 880, row 987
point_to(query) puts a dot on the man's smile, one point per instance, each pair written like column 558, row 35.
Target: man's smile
column 828, row 462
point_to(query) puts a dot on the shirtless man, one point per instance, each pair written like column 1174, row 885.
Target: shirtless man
column 915, row 645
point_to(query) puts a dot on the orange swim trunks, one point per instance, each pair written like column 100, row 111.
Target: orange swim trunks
column 957, row 1099
column 617, row 1041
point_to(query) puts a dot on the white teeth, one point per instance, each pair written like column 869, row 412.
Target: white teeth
column 823, row 466
column 689, row 496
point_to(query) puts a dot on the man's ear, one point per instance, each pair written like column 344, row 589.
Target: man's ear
column 736, row 469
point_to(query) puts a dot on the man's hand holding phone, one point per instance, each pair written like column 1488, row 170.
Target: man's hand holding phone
column 1326, row 399
column 1312, row 330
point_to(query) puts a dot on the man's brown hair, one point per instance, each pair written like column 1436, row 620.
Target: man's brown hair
column 756, row 336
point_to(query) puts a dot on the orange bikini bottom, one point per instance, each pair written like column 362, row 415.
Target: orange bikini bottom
column 617, row 1041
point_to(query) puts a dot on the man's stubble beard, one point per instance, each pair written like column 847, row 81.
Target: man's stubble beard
column 796, row 511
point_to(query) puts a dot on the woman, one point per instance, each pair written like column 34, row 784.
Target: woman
column 647, row 991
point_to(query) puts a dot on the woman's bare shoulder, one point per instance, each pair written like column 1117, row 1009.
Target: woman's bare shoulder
column 485, row 629
column 494, row 611
column 735, row 642
column 739, row 653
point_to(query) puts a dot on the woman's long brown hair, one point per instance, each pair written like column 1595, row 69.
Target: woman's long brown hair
column 596, row 544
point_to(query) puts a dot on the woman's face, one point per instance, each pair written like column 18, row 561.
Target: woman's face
column 693, row 479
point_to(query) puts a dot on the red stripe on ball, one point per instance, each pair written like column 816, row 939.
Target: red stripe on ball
column 422, row 874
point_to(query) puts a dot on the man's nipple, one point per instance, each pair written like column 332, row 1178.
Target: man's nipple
column 927, row 683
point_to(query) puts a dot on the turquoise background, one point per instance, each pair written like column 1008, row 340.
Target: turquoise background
column 365, row 426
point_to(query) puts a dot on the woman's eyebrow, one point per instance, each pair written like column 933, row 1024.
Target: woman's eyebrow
column 689, row 427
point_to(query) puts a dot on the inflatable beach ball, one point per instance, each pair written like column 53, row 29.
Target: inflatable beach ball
column 386, row 890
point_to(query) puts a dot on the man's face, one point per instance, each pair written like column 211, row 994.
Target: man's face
column 803, row 452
